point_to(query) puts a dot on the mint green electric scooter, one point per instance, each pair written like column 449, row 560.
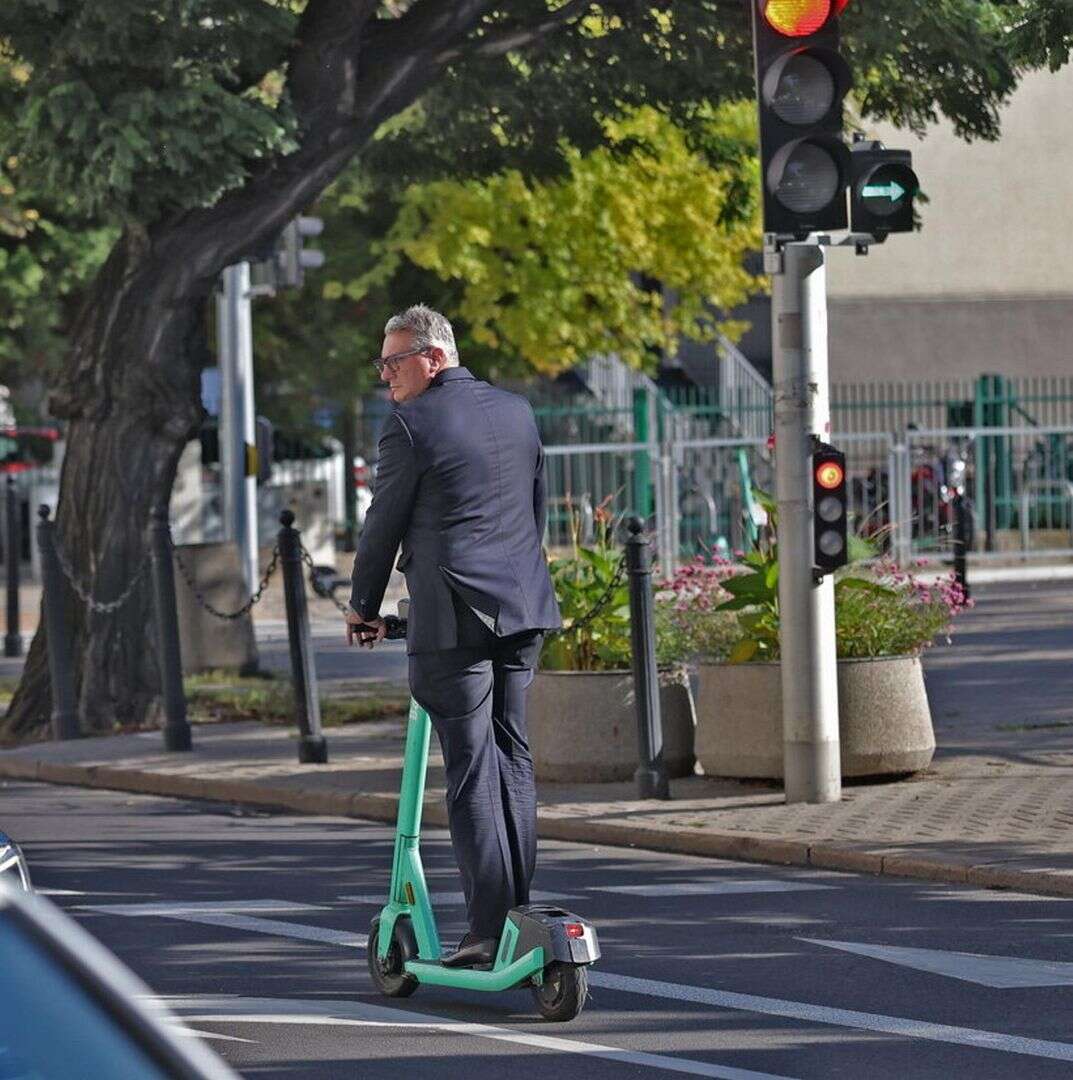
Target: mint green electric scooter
column 541, row 946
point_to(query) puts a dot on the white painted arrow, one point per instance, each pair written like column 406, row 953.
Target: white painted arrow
column 999, row 972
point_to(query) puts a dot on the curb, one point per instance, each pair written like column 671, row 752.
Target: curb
column 739, row 846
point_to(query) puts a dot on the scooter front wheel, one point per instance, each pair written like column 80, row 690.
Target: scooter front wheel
column 562, row 994
column 387, row 974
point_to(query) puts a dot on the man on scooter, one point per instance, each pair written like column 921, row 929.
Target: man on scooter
column 460, row 485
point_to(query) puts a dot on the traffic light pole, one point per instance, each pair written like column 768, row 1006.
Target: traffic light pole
column 237, row 417
column 811, row 759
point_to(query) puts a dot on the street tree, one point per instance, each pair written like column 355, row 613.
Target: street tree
column 198, row 128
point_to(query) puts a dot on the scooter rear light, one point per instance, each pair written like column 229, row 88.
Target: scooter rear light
column 574, row 929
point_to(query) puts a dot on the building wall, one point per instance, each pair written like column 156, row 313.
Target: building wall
column 987, row 285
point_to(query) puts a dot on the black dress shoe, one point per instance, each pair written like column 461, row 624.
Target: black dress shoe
column 471, row 953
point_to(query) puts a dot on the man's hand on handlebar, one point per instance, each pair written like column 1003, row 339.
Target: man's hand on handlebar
column 367, row 631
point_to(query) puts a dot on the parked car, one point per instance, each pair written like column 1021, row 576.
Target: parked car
column 70, row 1009
column 13, row 865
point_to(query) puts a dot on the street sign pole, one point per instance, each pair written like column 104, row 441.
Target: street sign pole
column 811, row 759
column 238, row 421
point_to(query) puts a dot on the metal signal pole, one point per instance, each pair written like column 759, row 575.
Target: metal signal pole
column 811, row 758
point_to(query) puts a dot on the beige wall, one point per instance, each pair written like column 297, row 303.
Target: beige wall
column 987, row 285
column 990, row 224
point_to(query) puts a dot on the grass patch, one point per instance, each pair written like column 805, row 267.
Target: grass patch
column 7, row 690
column 219, row 697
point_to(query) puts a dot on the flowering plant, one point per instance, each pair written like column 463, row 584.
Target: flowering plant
column 593, row 595
column 880, row 610
column 903, row 618
column 689, row 623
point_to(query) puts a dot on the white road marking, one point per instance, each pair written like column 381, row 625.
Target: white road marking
column 447, row 899
column 699, row 995
column 1001, row 895
column 355, row 1014
column 179, row 1029
column 1000, row 972
column 709, row 888
column 59, row 892
column 177, row 908
column 278, row 928
column 823, row 1014
column 229, row 915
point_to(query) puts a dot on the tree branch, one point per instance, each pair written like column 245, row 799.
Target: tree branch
column 349, row 73
column 517, row 38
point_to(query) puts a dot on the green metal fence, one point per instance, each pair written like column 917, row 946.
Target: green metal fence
column 856, row 408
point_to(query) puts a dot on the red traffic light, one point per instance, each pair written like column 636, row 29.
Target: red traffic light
column 830, row 475
column 799, row 18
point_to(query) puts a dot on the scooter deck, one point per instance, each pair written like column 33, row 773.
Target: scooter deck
column 433, row 973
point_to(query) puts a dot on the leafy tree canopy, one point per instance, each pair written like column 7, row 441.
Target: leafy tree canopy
column 143, row 108
column 554, row 271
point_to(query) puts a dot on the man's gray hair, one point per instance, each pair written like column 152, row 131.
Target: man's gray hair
column 428, row 328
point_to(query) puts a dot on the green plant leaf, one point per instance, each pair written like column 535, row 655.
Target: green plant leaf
column 746, row 585
column 771, row 577
column 864, row 585
column 743, row 652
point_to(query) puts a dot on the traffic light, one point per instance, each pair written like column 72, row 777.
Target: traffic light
column 881, row 191
column 801, row 81
column 830, row 548
column 294, row 258
column 281, row 261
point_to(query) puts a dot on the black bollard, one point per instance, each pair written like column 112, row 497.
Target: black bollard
column 13, row 639
column 64, row 707
column 176, row 726
column 961, row 542
column 312, row 748
column 651, row 774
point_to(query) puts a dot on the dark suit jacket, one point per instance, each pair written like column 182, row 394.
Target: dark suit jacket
column 460, row 484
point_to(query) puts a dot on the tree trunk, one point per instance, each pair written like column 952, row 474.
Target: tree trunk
column 130, row 391
column 132, row 397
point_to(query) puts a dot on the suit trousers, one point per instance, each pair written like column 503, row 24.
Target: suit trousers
column 475, row 696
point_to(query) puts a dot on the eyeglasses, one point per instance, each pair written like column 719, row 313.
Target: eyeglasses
column 392, row 362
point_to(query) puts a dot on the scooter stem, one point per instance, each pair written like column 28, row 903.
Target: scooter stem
column 409, row 893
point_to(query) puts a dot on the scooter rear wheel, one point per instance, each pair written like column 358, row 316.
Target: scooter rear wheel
column 387, row 974
column 562, row 994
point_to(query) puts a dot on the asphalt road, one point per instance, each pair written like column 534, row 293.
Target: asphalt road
column 252, row 926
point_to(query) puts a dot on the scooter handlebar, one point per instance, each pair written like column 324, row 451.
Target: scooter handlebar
column 394, row 626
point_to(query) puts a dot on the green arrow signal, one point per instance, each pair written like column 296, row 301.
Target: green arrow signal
column 893, row 191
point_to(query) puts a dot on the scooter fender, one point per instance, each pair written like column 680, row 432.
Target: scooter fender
column 544, row 926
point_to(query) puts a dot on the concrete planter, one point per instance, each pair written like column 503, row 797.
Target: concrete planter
column 583, row 726
column 884, row 718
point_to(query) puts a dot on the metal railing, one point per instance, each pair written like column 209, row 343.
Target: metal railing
column 1019, row 488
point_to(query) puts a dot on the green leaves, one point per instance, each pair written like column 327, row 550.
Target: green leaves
column 140, row 110
column 594, row 602
column 549, row 270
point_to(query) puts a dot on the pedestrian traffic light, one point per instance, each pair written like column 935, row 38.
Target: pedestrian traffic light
column 830, row 548
column 881, row 191
column 801, row 81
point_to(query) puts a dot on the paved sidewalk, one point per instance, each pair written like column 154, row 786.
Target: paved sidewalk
column 995, row 809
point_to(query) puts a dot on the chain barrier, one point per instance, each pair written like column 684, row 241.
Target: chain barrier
column 308, row 560
column 100, row 607
column 200, row 598
column 601, row 603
